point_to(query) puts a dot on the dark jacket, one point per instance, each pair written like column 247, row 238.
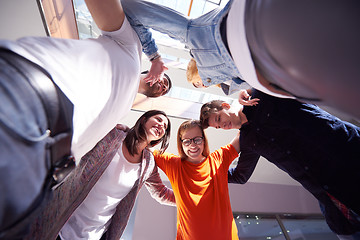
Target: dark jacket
column 315, row 148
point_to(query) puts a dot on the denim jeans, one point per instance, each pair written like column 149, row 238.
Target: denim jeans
column 24, row 158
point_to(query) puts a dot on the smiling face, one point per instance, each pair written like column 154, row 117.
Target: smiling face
column 155, row 127
column 194, row 150
column 161, row 87
column 158, row 89
column 225, row 119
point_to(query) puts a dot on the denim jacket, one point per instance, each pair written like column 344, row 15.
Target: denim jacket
column 201, row 35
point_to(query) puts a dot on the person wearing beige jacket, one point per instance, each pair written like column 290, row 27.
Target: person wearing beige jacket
column 78, row 200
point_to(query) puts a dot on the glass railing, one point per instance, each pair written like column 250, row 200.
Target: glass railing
column 282, row 227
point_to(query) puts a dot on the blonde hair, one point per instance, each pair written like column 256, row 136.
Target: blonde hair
column 192, row 71
column 185, row 126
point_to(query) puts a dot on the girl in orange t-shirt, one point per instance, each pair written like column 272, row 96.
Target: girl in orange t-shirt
column 200, row 184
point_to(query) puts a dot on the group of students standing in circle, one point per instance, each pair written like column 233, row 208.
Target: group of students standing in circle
column 65, row 98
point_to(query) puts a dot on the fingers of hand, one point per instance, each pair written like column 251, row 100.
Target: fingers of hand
column 151, row 80
column 253, row 102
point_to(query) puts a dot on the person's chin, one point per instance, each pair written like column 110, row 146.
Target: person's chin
column 155, row 134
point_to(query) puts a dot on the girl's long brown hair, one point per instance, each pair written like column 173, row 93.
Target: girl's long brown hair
column 137, row 133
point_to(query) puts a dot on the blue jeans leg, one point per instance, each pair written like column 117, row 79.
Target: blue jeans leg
column 24, row 161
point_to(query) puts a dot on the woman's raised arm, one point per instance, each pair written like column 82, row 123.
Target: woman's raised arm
column 107, row 14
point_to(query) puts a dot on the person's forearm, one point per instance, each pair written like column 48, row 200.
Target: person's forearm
column 236, row 142
column 245, row 167
column 107, row 14
column 158, row 190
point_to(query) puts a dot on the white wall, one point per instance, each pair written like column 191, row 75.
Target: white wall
column 153, row 220
column 19, row 18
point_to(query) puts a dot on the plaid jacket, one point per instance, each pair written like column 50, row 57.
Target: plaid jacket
column 74, row 190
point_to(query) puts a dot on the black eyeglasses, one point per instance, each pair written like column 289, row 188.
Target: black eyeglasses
column 196, row 140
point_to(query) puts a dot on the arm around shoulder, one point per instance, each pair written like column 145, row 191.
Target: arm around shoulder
column 245, row 167
column 236, row 142
column 158, row 190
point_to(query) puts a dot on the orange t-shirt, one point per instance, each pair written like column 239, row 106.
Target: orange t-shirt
column 202, row 194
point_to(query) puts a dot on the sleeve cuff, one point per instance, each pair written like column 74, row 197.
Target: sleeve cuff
column 154, row 56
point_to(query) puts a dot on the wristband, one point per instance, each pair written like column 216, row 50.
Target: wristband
column 156, row 56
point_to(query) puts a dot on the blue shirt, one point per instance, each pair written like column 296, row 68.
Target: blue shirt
column 315, row 148
column 201, row 35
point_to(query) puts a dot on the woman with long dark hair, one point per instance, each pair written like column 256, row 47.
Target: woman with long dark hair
column 96, row 200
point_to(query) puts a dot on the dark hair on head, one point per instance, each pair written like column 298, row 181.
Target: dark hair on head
column 187, row 125
column 137, row 133
column 207, row 109
column 150, row 93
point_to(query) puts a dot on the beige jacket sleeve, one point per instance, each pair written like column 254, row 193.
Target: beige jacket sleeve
column 158, row 190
